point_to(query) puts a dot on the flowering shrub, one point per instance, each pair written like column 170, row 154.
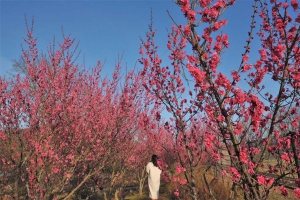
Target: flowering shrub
column 246, row 123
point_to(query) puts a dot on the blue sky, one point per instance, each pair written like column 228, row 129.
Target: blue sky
column 106, row 29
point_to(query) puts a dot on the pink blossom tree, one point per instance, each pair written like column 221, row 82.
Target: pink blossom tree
column 185, row 128
column 248, row 122
column 62, row 127
column 149, row 142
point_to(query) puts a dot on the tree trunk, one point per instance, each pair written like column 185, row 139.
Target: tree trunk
column 116, row 194
column 105, row 196
column 194, row 189
column 295, row 152
column 142, row 183
column 77, row 187
column 141, row 190
column 16, row 187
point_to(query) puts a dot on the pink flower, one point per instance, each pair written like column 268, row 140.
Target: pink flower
column 295, row 123
column 285, row 157
column 270, row 181
column 68, row 175
column 213, row 13
column 251, row 166
column 192, row 144
column 297, row 193
column 238, row 129
column 179, row 169
column 218, row 25
column 222, row 80
column 235, row 175
column 246, row 67
column 284, row 191
column 223, row 172
column 176, row 193
column 206, row 35
column 183, row 182
column 214, row 61
column 2, row 136
column 159, row 162
column 183, row 2
column 208, row 144
column 294, row 3
column 141, row 50
column 298, row 18
column 221, row 118
column 243, row 157
column 245, row 58
column 225, row 40
column 55, row 170
column 191, row 15
column 187, row 30
column 218, row 47
column 261, row 180
column 216, row 156
column 198, row 74
column 175, row 179
column 240, row 98
column 204, row 3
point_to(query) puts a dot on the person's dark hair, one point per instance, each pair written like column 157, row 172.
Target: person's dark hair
column 154, row 160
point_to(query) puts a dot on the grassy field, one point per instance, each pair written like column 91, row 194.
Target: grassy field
column 163, row 194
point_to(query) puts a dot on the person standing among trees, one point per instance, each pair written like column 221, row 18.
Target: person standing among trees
column 154, row 173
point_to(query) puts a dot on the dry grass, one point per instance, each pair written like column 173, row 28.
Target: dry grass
column 277, row 196
column 220, row 188
column 136, row 196
column 144, row 197
column 163, row 195
column 219, row 185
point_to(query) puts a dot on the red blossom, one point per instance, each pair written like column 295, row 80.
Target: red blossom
column 187, row 30
column 298, row 18
column 235, row 75
column 284, row 191
column 244, row 157
column 204, row 3
column 198, row 74
column 238, row 129
column 285, row 156
column 235, row 175
column 219, row 24
column 294, row 4
column 297, row 193
column 141, row 50
column 176, row 192
column 261, row 180
column 295, row 123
